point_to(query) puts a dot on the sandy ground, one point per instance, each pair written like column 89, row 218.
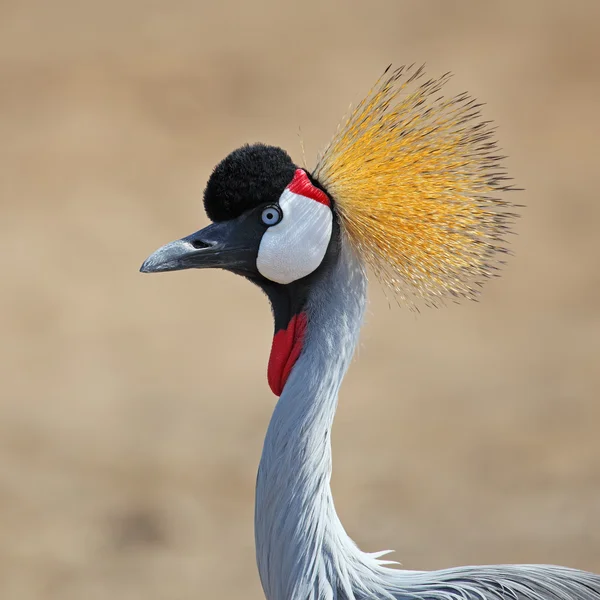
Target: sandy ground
column 133, row 408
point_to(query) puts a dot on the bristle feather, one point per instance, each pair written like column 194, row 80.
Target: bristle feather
column 414, row 177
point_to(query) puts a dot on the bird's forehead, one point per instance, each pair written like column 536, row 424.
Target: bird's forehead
column 246, row 178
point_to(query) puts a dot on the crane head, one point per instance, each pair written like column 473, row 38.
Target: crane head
column 410, row 182
column 271, row 222
column 415, row 177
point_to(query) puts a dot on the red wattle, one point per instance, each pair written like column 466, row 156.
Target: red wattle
column 286, row 348
column 302, row 186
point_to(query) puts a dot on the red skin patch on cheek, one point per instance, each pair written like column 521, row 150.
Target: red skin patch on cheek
column 286, row 348
column 302, row 186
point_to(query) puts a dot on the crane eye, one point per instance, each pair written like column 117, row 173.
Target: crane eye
column 271, row 215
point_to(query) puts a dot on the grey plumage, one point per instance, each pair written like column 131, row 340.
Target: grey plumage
column 303, row 551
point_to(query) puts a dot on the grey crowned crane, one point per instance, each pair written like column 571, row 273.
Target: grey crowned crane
column 410, row 187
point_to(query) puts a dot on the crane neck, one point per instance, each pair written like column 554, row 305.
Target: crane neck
column 297, row 529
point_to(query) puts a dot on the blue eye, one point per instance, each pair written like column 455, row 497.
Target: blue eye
column 271, row 215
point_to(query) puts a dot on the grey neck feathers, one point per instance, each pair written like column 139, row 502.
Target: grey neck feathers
column 298, row 533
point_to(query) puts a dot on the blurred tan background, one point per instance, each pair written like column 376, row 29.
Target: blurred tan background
column 133, row 408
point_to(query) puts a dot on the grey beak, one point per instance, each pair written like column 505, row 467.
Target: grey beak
column 229, row 245
column 171, row 257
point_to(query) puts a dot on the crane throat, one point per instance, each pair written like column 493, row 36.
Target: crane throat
column 286, row 348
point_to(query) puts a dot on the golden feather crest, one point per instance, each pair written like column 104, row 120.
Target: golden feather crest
column 414, row 177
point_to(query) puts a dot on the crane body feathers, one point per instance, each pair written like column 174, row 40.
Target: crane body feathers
column 303, row 551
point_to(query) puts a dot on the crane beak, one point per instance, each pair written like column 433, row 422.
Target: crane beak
column 223, row 245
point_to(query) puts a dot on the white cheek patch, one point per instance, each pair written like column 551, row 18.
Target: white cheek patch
column 295, row 247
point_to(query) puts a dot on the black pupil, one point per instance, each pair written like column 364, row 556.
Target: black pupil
column 270, row 216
